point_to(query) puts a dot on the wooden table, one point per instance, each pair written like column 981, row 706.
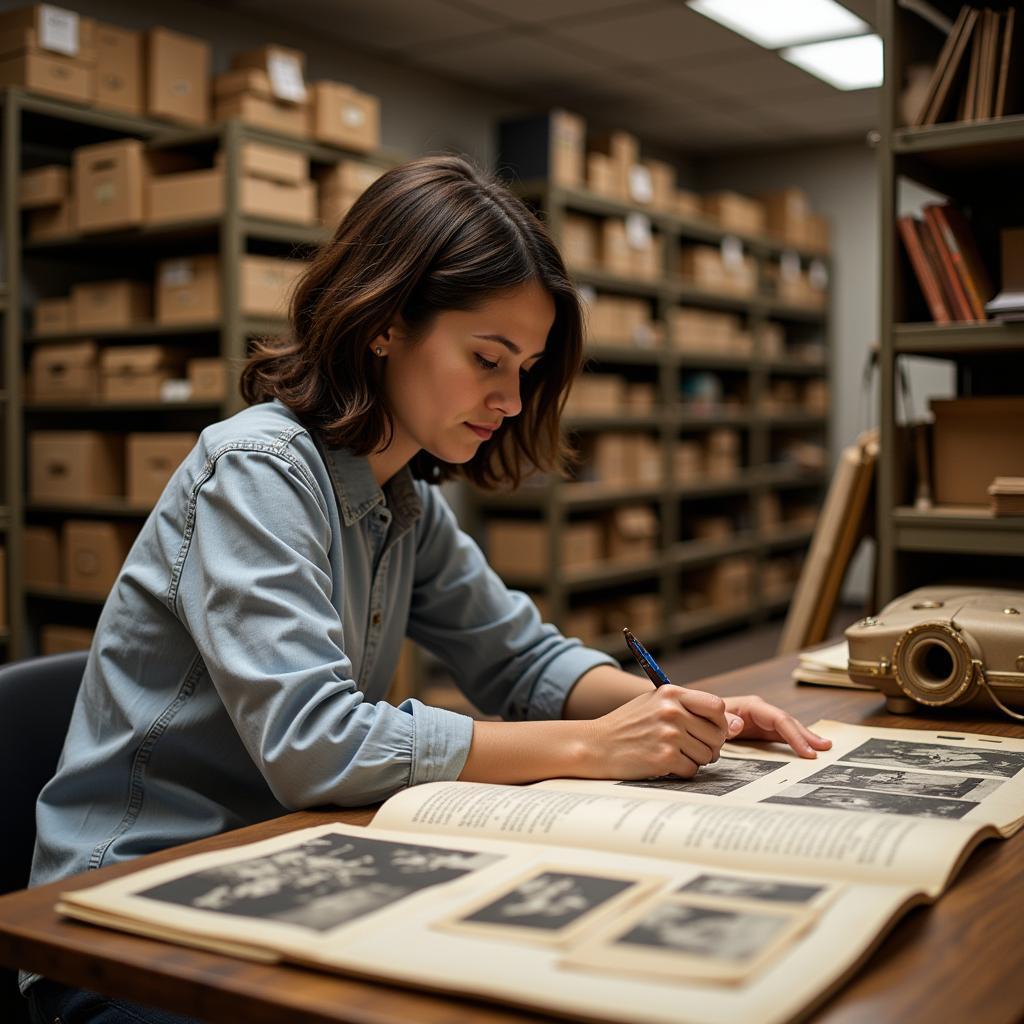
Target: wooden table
column 961, row 960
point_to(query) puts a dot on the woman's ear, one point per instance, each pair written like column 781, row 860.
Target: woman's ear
column 381, row 345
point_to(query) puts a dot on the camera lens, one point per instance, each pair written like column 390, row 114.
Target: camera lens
column 932, row 664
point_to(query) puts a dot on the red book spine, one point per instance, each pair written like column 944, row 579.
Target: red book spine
column 960, row 240
column 923, row 271
column 960, row 306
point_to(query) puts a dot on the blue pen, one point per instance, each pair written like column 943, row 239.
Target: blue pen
column 651, row 668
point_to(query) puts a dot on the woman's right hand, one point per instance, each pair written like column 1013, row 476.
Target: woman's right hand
column 671, row 730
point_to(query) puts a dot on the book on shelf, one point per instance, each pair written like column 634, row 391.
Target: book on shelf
column 749, row 892
column 923, row 265
column 977, row 74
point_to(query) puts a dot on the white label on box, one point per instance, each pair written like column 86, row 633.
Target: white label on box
column 58, row 30
column 789, row 265
column 732, row 253
column 175, row 391
column 638, row 231
column 352, row 115
column 286, row 81
column 641, row 185
column 181, row 87
column 177, row 273
column 818, row 274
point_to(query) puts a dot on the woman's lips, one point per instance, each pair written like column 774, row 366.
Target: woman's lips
column 484, row 433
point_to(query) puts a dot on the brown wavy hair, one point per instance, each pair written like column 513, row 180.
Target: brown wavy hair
column 431, row 235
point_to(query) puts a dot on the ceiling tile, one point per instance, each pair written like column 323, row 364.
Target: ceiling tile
column 538, row 11
column 759, row 73
column 642, row 36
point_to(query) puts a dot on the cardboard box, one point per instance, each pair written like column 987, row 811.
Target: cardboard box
column 614, row 253
column 596, row 394
column 152, row 460
column 188, row 290
column 275, row 200
column 109, row 185
column 119, row 77
column 266, row 285
column 974, row 440
column 580, row 241
column 623, row 151
column 52, row 316
column 688, row 462
column 341, row 185
column 609, row 460
column 68, row 466
column 713, row 528
column 284, row 67
column 177, row 77
column 700, row 330
column 631, row 533
column 208, row 378
column 601, row 176
column 44, row 186
column 786, row 212
column 341, row 115
column 49, row 28
column 735, row 212
column 64, row 639
column 64, row 372
column 518, row 547
column 189, row 195
column 586, row 623
column 704, row 266
column 41, row 556
column 663, row 184
column 544, row 147
column 107, row 305
column 51, row 221
column 730, row 583
column 93, row 552
column 272, row 163
column 66, row 78
column 641, row 397
column 269, row 114
column 242, row 82
column 136, row 373
column 1011, row 263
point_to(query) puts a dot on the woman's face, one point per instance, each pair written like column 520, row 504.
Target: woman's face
column 451, row 389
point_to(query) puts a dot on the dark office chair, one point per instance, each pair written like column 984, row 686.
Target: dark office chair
column 36, row 698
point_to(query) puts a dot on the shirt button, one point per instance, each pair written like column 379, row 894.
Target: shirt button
column 376, row 618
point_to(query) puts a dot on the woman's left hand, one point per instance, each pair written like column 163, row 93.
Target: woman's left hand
column 764, row 721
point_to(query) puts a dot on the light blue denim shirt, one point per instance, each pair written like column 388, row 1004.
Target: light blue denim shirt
column 241, row 660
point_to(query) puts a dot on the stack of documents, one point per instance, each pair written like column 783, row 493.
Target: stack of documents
column 1007, row 493
column 827, row 666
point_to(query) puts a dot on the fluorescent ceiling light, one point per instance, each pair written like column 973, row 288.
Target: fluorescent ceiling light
column 776, row 23
column 845, row 63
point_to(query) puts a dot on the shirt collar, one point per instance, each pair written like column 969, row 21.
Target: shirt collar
column 358, row 491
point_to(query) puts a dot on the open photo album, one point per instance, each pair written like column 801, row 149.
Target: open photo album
column 750, row 892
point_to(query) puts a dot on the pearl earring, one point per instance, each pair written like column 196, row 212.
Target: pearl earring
column 379, row 350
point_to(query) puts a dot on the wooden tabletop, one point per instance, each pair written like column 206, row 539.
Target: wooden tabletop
column 960, row 960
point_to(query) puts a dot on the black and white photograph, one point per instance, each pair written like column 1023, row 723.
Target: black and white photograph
column 723, row 776
column 894, row 780
column 700, row 931
column 768, row 890
column 939, row 757
column 803, row 795
column 321, row 883
column 549, row 905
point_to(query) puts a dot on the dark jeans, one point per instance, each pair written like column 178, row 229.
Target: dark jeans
column 50, row 1003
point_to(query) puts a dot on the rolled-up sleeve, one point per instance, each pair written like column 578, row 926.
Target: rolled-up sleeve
column 256, row 592
column 500, row 654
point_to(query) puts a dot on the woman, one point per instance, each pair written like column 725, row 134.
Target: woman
column 241, row 662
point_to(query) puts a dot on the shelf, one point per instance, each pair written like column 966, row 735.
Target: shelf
column 957, row 339
column 613, row 421
column 786, row 536
column 100, row 406
column 692, row 553
column 689, row 625
column 103, row 508
column 605, row 574
column 63, row 594
column 282, row 231
column 622, row 285
column 694, row 296
column 804, row 314
column 738, row 484
column 623, row 354
column 711, row 360
column 683, row 419
column 783, row 420
column 797, row 367
column 198, row 229
column 977, row 143
column 780, row 475
column 129, row 333
column 971, row 530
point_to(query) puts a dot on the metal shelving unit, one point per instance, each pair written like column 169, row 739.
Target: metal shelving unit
column 555, row 502
column 31, row 124
column 978, row 166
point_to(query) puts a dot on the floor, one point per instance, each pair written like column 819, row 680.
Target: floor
column 686, row 665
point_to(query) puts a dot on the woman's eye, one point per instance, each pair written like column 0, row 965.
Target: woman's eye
column 486, row 363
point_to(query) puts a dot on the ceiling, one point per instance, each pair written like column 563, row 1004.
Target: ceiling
column 655, row 67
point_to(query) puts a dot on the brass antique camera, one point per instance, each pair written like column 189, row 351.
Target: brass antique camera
column 944, row 647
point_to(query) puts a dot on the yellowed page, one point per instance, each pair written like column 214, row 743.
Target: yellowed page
column 778, row 839
column 409, row 940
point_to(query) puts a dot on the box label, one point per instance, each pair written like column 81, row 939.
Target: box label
column 58, row 30
column 817, row 273
column 177, row 273
column 732, row 253
column 638, row 231
column 352, row 116
column 286, row 81
column 789, row 265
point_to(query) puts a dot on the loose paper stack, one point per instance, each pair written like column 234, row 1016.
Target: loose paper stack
column 827, row 666
column 1007, row 493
